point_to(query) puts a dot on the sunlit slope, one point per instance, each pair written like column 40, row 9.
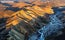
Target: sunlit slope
column 28, row 13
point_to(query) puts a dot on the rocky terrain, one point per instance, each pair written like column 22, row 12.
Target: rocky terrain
column 7, row 9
